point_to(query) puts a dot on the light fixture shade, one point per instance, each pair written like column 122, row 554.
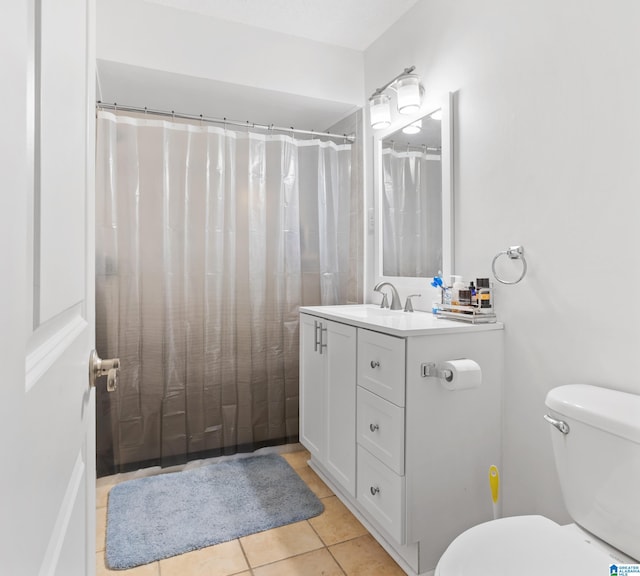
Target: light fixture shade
column 413, row 128
column 408, row 89
column 380, row 111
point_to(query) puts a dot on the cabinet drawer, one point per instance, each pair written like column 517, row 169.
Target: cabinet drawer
column 381, row 365
column 381, row 429
column 381, row 493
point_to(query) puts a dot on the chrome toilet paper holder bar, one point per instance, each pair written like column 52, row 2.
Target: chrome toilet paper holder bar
column 431, row 370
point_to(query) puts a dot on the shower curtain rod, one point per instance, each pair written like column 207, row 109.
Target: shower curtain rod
column 225, row 121
column 408, row 148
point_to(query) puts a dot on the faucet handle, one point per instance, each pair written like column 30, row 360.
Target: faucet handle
column 385, row 301
column 408, row 305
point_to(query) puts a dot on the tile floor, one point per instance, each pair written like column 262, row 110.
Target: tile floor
column 334, row 543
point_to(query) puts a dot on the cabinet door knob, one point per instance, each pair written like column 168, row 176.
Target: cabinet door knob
column 374, row 490
column 373, row 427
column 374, row 363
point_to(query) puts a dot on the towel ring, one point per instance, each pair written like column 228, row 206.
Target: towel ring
column 514, row 253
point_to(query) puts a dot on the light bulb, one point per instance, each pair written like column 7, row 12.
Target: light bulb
column 408, row 88
column 379, row 111
column 413, row 128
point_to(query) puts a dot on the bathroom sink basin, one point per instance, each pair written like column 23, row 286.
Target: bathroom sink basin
column 370, row 311
column 394, row 322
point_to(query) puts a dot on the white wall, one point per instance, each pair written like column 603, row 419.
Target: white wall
column 546, row 151
column 142, row 34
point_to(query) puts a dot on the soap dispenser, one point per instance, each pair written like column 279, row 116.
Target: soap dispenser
column 457, row 285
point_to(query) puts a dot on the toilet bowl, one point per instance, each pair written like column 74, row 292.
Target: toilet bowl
column 596, row 442
column 527, row 546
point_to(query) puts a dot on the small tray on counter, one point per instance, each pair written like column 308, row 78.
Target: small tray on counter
column 469, row 314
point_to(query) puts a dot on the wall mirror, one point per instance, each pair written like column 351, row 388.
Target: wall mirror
column 413, row 183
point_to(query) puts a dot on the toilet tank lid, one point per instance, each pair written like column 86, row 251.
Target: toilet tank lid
column 610, row 410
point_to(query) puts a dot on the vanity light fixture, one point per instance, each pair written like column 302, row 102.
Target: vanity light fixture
column 408, row 95
column 413, row 128
column 380, row 111
column 408, row 88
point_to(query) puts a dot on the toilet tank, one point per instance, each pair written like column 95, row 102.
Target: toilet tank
column 598, row 461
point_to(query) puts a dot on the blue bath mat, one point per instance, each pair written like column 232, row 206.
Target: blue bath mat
column 160, row 516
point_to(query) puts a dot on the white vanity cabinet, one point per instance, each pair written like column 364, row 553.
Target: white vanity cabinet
column 328, row 398
column 407, row 455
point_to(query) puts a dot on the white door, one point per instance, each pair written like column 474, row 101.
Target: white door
column 47, row 481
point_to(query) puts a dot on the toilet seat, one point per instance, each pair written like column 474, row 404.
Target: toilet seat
column 522, row 546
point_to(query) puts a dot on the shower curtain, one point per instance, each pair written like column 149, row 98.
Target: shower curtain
column 207, row 242
column 411, row 213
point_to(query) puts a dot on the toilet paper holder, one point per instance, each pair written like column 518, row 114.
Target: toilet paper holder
column 431, row 370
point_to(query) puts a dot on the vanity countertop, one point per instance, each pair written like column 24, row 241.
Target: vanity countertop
column 395, row 322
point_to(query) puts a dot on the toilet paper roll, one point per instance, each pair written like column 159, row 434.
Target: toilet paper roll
column 461, row 374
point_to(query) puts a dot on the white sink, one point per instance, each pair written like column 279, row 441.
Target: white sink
column 394, row 322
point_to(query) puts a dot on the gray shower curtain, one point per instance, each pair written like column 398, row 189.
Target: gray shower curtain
column 207, row 242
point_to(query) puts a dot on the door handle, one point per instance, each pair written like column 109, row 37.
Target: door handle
column 322, row 344
column 109, row 368
column 319, row 343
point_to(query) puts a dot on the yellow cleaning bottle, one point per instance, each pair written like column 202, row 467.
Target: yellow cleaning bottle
column 494, row 484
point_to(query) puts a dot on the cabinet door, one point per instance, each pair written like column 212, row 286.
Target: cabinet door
column 312, row 388
column 341, row 404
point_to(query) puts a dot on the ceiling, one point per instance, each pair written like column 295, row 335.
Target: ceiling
column 160, row 90
column 349, row 23
column 353, row 24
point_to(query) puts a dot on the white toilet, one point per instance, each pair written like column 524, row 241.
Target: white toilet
column 596, row 443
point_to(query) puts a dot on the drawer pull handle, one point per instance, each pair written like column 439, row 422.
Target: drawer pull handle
column 374, row 363
column 373, row 427
column 374, row 490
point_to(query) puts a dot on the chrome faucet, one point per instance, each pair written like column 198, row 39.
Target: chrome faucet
column 408, row 305
column 395, row 298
